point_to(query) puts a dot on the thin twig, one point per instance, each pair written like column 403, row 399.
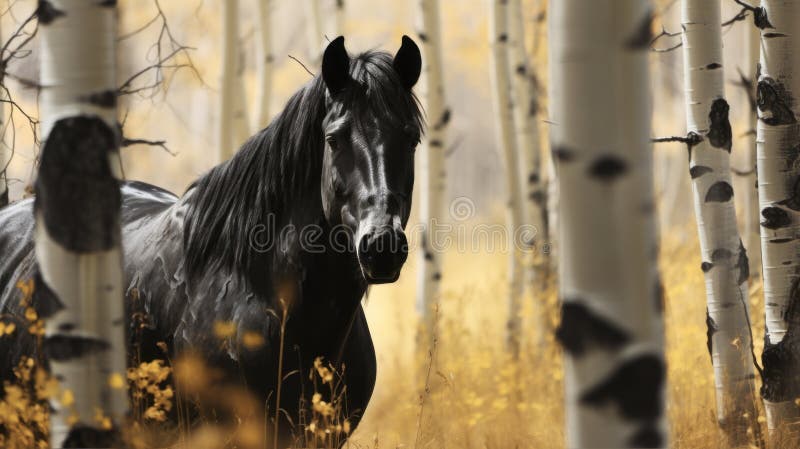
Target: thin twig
column 303, row 65
column 126, row 142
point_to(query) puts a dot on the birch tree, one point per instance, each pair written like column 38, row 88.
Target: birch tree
column 526, row 129
column 724, row 259
column 751, row 222
column 501, row 78
column 79, row 281
column 227, row 89
column 432, row 168
column 610, row 291
column 265, row 63
column 778, row 145
column 339, row 18
column 241, row 124
column 314, row 33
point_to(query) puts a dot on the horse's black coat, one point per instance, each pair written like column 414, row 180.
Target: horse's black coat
column 336, row 160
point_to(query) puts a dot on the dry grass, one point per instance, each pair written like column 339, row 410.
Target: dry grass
column 466, row 392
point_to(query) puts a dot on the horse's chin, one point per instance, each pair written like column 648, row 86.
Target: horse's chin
column 373, row 279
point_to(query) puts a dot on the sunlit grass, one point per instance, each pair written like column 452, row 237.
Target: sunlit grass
column 465, row 391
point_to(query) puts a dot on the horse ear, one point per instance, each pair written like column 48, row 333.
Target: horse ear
column 408, row 62
column 336, row 66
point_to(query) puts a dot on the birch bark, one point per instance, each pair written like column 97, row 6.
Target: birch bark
column 227, row 89
column 611, row 327
column 501, row 79
column 724, row 259
column 778, row 145
column 752, row 238
column 432, row 169
column 79, row 280
column 265, row 63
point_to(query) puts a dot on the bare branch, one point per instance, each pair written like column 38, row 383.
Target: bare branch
column 166, row 48
column 690, row 139
column 126, row 142
column 303, row 65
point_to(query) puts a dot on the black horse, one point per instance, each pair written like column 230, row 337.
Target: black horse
column 309, row 212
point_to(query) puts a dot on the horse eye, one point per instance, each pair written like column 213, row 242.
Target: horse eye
column 332, row 142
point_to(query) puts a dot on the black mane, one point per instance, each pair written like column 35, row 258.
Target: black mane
column 278, row 170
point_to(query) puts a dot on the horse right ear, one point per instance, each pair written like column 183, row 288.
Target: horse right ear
column 336, row 66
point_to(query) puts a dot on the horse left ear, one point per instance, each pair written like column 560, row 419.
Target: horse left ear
column 336, row 66
column 408, row 62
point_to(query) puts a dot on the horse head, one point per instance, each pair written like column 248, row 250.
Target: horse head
column 371, row 127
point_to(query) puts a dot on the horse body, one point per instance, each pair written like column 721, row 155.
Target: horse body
column 338, row 158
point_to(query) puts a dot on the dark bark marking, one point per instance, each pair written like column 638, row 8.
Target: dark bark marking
column 76, row 191
column 445, row 118
column 436, row 143
column 793, row 201
column 108, row 3
column 533, row 178
column 743, row 264
column 580, row 329
column 635, row 387
column 658, row 293
column 641, row 37
column 714, row 66
column 773, row 99
column 646, row 437
column 537, row 197
column 45, row 301
column 47, row 13
column 786, row 240
column 781, row 361
column 692, row 139
column 760, row 19
column 437, row 276
column 719, row 192
column 706, row 266
column 422, row 36
column 104, row 99
column 699, row 170
column 719, row 133
column 82, row 435
column 503, row 37
column 775, row 218
column 564, row 154
column 720, row 254
column 63, row 347
column 773, row 35
column 607, row 168
column 711, row 329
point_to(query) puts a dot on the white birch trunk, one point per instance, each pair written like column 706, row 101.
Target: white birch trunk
column 4, row 153
column 227, row 90
column 778, row 144
column 432, row 169
column 265, row 63
column 314, row 34
column 526, row 128
column 752, row 240
column 77, row 234
column 611, row 304
column 241, row 123
column 339, row 18
column 724, row 261
column 501, row 79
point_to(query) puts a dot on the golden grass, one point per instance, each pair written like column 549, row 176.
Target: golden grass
column 465, row 392
column 480, row 398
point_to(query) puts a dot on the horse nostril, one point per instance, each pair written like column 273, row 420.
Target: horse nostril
column 384, row 253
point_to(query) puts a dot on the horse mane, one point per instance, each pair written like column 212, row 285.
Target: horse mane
column 278, row 170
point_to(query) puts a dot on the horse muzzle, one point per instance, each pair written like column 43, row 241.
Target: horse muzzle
column 381, row 254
